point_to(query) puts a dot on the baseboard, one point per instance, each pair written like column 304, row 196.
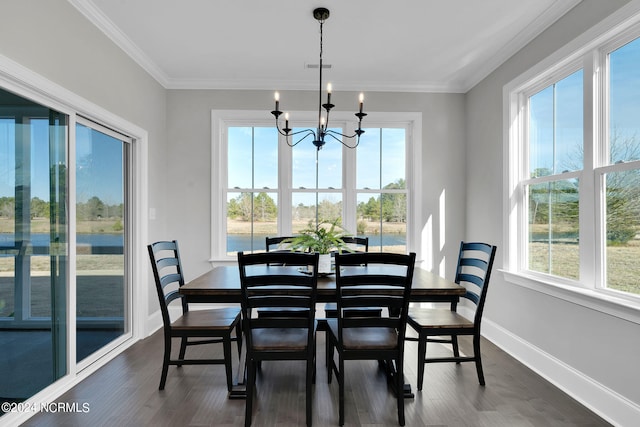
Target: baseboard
column 608, row 404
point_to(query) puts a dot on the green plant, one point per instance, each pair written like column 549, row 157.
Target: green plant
column 323, row 239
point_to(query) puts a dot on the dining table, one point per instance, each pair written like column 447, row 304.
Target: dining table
column 222, row 285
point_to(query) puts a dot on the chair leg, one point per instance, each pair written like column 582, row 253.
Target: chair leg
column 183, row 349
column 340, row 377
column 313, row 363
column 310, row 378
column 422, row 353
column 165, row 361
column 329, row 357
column 251, row 381
column 478, row 358
column 239, row 337
column 456, row 348
column 400, row 389
column 226, row 345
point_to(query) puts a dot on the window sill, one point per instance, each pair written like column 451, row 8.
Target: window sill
column 602, row 301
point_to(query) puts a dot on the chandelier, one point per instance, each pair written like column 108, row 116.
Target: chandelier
column 322, row 131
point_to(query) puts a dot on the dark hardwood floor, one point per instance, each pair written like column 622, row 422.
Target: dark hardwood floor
column 125, row 393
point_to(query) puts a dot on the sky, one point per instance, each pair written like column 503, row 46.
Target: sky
column 624, row 112
column 99, row 158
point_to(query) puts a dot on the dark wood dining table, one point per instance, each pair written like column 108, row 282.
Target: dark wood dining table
column 222, row 285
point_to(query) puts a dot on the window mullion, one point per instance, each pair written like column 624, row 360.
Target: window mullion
column 593, row 128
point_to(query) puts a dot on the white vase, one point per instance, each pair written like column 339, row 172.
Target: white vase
column 324, row 264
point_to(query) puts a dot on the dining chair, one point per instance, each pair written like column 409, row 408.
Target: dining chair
column 274, row 279
column 475, row 261
column 364, row 280
column 193, row 327
column 272, row 244
column 358, row 244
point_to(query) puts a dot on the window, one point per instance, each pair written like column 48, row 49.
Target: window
column 574, row 169
column 269, row 189
column 555, row 147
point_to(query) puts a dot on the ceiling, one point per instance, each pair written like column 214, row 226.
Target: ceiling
column 415, row 45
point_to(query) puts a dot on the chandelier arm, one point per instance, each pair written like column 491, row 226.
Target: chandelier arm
column 333, row 133
column 309, row 132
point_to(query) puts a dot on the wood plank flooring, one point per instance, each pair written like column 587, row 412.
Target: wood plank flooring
column 125, row 393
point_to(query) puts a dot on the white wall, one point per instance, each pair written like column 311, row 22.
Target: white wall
column 189, row 135
column 590, row 354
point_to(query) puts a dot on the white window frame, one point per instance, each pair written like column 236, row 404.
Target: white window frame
column 221, row 119
column 588, row 52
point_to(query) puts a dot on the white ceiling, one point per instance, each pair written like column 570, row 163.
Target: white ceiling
column 373, row 45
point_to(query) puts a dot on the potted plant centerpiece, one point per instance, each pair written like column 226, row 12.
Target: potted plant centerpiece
column 323, row 239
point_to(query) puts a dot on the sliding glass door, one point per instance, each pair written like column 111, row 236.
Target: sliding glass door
column 101, row 220
column 33, row 247
column 42, row 319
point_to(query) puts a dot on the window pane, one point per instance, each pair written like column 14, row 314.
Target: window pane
column 553, row 228
column 368, row 160
column 393, row 158
column 253, row 157
column 623, row 216
column 329, row 164
column 240, row 164
column 555, row 127
column 101, row 293
column 624, row 103
column 382, row 218
column 304, row 209
column 250, row 218
column 381, row 159
column 33, row 247
column 265, row 162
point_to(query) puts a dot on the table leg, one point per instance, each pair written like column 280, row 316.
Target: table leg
column 239, row 390
column 390, row 370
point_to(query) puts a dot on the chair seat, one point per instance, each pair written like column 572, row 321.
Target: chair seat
column 437, row 318
column 275, row 339
column 365, row 338
column 217, row 318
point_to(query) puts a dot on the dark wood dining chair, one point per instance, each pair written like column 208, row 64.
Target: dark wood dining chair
column 272, row 244
column 273, row 280
column 193, row 327
column 358, row 244
column 475, row 262
column 370, row 280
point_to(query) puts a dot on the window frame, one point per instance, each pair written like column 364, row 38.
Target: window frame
column 221, row 119
column 588, row 52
